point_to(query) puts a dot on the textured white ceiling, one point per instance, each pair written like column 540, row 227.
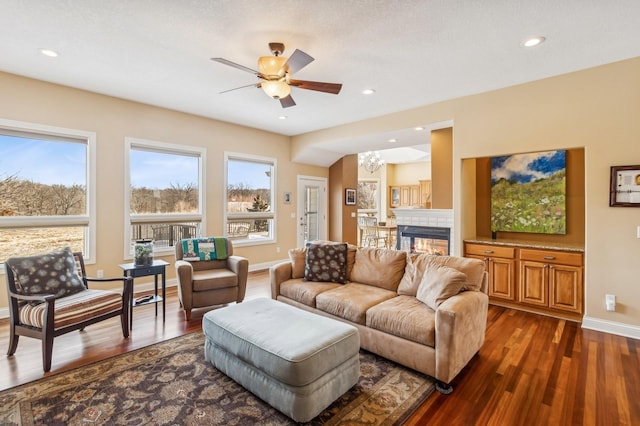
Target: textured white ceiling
column 412, row 52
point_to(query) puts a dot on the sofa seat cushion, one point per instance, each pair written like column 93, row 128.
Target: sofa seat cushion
column 379, row 267
column 406, row 317
column 303, row 291
column 213, row 279
column 73, row 309
column 351, row 301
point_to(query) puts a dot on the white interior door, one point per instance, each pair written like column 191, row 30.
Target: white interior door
column 312, row 209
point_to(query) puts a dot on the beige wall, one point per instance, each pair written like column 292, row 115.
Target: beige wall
column 113, row 119
column 409, row 174
column 595, row 109
column 343, row 223
column 442, row 168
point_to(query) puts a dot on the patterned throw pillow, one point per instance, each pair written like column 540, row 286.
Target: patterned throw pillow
column 326, row 262
column 53, row 273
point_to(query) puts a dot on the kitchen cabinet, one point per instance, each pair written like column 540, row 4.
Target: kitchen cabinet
column 425, row 194
column 405, row 196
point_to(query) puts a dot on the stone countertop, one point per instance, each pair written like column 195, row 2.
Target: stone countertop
column 545, row 245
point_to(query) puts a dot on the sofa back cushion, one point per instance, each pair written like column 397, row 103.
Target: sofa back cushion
column 298, row 258
column 417, row 264
column 379, row 267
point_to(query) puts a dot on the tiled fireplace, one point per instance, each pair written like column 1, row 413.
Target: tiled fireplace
column 425, row 230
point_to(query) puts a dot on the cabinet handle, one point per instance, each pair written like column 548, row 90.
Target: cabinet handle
column 549, row 258
column 488, row 251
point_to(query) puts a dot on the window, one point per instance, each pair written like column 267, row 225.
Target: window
column 368, row 197
column 46, row 190
column 164, row 201
column 249, row 187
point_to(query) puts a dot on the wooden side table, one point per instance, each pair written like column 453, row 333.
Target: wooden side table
column 134, row 271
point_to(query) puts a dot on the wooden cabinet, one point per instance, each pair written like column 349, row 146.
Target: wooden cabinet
column 425, row 194
column 500, row 263
column 404, row 196
column 551, row 279
column 535, row 279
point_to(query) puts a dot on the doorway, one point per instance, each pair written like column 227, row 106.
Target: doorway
column 312, row 209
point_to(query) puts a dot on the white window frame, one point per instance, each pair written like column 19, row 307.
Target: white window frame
column 88, row 219
column 129, row 219
column 272, row 215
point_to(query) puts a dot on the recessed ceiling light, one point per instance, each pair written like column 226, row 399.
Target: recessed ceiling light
column 282, row 117
column 368, row 92
column 533, row 41
column 392, row 141
column 419, row 128
column 48, row 52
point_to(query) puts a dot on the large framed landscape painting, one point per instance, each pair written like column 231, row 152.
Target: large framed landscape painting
column 528, row 192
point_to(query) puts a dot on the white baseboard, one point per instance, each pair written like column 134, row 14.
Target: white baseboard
column 611, row 327
column 4, row 313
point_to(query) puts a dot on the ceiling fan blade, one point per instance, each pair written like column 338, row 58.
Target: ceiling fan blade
column 234, row 65
column 287, row 102
column 241, row 87
column 333, row 88
column 297, row 61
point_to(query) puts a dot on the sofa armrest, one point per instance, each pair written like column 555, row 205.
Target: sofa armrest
column 278, row 274
column 240, row 266
column 461, row 322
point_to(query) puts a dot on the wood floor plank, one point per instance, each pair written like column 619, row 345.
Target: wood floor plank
column 532, row 369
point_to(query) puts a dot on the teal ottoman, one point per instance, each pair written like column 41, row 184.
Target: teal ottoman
column 296, row 361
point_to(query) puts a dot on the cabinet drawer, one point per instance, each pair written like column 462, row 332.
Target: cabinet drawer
column 489, row 251
column 551, row 256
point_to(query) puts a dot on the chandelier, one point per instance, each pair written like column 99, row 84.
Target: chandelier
column 370, row 161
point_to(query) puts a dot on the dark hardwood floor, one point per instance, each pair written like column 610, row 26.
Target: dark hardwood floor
column 532, row 370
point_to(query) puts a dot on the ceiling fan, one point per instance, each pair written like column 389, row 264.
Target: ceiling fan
column 276, row 71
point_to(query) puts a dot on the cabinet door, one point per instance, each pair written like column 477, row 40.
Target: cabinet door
column 565, row 288
column 405, row 196
column 415, row 196
column 394, row 197
column 501, row 278
column 533, row 283
column 425, row 194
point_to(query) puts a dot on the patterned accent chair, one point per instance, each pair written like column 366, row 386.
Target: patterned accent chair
column 207, row 283
column 49, row 296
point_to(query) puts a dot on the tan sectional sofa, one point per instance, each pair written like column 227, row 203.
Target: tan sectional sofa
column 425, row 312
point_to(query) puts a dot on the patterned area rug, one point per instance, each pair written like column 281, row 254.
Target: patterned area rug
column 171, row 383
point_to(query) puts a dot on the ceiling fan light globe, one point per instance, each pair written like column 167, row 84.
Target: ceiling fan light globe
column 276, row 89
column 272, row 67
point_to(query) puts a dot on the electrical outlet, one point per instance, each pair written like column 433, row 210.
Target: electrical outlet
column 100, row 273
column 277, row 249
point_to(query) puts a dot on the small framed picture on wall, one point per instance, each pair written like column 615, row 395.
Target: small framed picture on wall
column 350, row 196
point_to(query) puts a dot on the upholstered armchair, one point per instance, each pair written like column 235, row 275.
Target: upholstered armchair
column 209, row 274
column 49, row 296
